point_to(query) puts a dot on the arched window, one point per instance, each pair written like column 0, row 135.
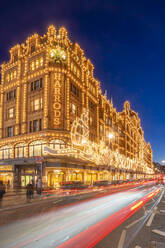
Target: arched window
column 36, row 148
column 57, row 144
column 20, row 150
column 5, row 152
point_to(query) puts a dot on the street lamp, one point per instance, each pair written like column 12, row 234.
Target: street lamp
column 110, row 136
column 163, row 161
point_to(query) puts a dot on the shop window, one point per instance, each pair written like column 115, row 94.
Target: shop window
column 5, row 152
column 10, row 131
column 20, row 150
column 36, row 148
column 57, row 144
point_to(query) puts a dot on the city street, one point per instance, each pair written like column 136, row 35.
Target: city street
column 63, row 223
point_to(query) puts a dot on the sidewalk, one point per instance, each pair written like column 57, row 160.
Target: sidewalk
column 17, row 198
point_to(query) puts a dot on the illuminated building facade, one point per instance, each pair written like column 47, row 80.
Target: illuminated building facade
column 51, row 106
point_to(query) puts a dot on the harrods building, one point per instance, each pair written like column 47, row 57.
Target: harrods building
column 55, row 122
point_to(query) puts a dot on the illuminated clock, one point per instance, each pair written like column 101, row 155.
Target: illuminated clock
column 58, row 54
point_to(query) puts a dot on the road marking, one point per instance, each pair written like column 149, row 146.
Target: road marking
column 152, row 217
column 122, row 239
column 159, row 232
column 133, row 223
column 162, row 211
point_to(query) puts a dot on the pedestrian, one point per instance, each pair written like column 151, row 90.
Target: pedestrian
column 2, row 192
column 29, row 192
column 8, row 184
column 39, row 190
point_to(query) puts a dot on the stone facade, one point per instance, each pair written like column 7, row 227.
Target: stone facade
column 47, row 84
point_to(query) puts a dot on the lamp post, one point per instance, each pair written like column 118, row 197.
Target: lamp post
column 110, row 136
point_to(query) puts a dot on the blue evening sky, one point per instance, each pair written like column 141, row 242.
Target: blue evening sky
column 125, row 40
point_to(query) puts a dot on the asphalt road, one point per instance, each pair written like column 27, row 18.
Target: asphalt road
column 62, row 226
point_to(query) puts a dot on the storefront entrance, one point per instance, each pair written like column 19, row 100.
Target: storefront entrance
column 54, row 178
column 27, row 179
column 6, row 175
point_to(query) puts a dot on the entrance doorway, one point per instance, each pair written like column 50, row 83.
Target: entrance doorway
column 27, row 179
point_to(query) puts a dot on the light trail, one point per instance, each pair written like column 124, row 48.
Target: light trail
column 69, row 222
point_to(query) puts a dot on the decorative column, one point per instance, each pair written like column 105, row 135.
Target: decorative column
column 1, row 114
column 67, row 104
column 17, row 127
column 24, row 108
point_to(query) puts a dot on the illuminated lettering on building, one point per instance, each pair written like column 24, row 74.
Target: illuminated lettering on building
column 57, row 103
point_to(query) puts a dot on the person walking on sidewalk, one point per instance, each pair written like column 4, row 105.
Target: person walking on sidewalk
column 29, row 192
column 39, row 186
column 2, row 192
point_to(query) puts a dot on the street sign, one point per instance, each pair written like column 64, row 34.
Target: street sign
column 38, row 159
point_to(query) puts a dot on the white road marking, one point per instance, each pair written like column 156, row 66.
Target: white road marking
column 152, row 217
column 159, row 232
column 162, row 211
column 134, row 222
column 122, row 239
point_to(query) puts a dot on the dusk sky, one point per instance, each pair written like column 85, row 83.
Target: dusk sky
column 125, row 40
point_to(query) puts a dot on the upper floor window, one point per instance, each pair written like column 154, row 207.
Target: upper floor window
column 91, row 105
column 36, row 63
column 36, row 148
column 5, row 152
column 35, row 125
column 20, row 150
column 101, row 129
column 74, row 89
column 36, row 85
column 57, row 144
column 10, row 131
column 10, row 113
column 73, row 108
column 92, row 88
column 15, row 57
column 36, row 104
column 11, row 76
column 108, row 121
column 11, row 95
column 32, row 48
column 90, row 121
column 74, row 68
